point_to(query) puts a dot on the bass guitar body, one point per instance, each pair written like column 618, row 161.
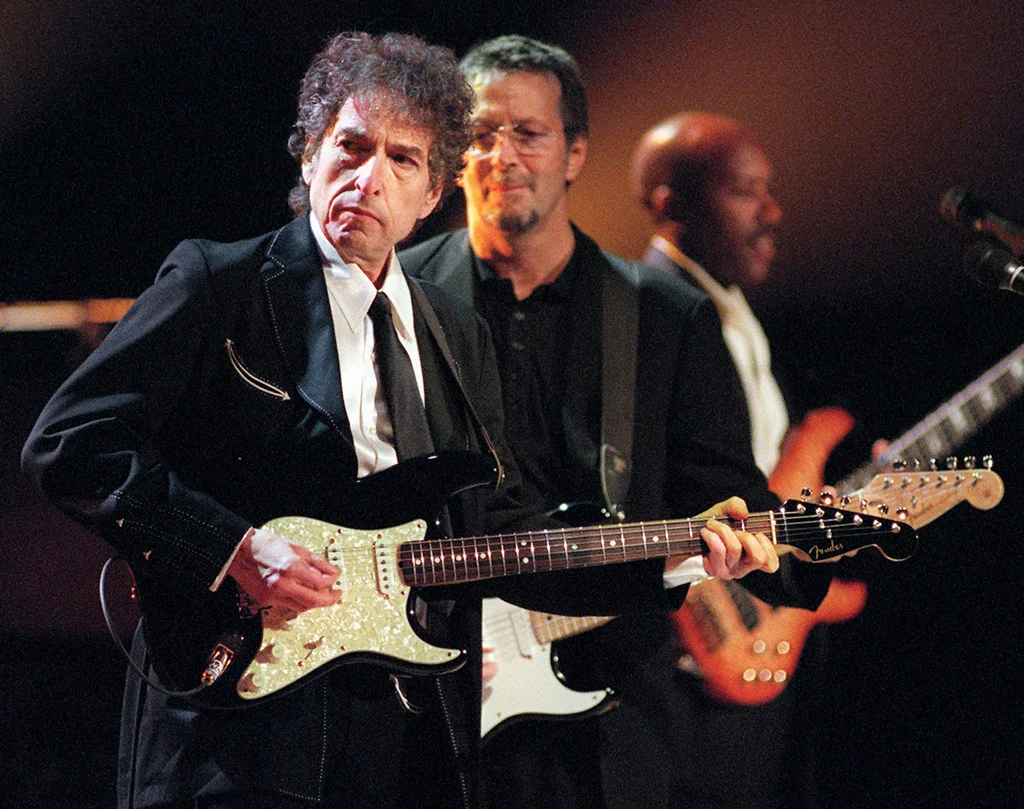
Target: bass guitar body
column 745, row 650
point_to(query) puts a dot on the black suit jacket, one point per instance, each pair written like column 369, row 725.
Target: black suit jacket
column 214, row 405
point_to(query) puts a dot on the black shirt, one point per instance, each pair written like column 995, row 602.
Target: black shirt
column 532, row 339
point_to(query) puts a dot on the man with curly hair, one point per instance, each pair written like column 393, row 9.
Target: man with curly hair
column 252, row 381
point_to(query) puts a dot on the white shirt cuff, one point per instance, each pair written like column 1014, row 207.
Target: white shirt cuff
column 689, row 571
column 224, row 570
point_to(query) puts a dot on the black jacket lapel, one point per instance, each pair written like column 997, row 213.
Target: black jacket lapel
column 301, row 316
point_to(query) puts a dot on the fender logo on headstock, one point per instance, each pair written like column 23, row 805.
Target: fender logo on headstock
column 833, row 549
column 820, row 532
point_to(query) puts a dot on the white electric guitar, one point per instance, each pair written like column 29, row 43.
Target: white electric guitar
column 528, row 684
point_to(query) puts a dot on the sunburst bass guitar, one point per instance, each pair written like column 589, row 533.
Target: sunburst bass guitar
column 273, row 650
column 746, row 650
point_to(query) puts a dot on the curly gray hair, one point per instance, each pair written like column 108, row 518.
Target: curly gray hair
column 421, row 82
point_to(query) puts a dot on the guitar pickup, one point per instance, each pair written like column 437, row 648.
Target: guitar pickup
column 336, row 556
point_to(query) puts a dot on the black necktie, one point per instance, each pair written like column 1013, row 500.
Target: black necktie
column 408, row 419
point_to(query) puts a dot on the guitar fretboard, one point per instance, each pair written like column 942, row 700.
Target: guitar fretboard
column 450, row 561
column 548, row 628
column 953, row 422
column 819, row 532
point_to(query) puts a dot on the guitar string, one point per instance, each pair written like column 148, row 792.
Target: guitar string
column 615, row 540
column 628, row 540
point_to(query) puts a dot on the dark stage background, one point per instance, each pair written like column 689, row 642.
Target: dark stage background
column 127, row 126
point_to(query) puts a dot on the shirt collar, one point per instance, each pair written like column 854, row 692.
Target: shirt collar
column 561, row 287
column 354, row 292
column 728, row 298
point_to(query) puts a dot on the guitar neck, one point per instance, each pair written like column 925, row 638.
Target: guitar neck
column 817, row 532
column 953, row 422
column 452, row 561
column 548, row 627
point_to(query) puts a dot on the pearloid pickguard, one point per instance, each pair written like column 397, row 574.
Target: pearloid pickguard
column 371, row 617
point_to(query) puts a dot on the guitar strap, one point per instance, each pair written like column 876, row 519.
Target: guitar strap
column 424, row 308
column 619, row 330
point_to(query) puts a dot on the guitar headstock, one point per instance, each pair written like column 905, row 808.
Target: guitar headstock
column 819, row 532
column 918, row 497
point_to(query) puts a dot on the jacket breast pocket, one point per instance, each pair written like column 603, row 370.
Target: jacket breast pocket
column 254, row 380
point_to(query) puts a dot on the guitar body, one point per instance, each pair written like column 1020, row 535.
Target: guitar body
column 528, row 684
column 747, row 650
column 274, row 648
column 806, row 450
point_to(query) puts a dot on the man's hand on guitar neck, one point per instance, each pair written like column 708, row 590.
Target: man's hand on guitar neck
column 276, row 572
column 733, row 554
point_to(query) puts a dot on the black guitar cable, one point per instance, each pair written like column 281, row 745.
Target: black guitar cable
column 220, row 658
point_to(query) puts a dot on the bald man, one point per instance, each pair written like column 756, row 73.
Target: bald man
column 706, row 182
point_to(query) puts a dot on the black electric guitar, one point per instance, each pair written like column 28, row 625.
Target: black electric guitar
column 383, row 558
column 529, row 685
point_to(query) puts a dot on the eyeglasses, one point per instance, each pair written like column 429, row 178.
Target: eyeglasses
column 527, row 141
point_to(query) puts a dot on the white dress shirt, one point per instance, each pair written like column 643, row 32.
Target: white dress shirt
column 351, row 294
column 748, row 345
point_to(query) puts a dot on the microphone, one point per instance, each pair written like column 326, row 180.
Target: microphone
column 961, row 207
column 989, row 265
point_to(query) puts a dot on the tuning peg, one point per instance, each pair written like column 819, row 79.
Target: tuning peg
column 883, row 508
column 951, row 462
column 844, row 501
column 826, row 498
column 916, row 464
column 899, row 464
column 902, row 514
column 806, row 492
column 933, row 464
column 969, row 462
column 986, row 461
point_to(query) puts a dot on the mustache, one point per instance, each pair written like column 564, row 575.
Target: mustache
column 512, row 178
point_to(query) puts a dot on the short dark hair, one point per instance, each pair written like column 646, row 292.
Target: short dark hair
column 512, row 53
column 404, row 74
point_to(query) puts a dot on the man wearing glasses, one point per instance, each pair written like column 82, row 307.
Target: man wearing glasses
column 543, row 286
